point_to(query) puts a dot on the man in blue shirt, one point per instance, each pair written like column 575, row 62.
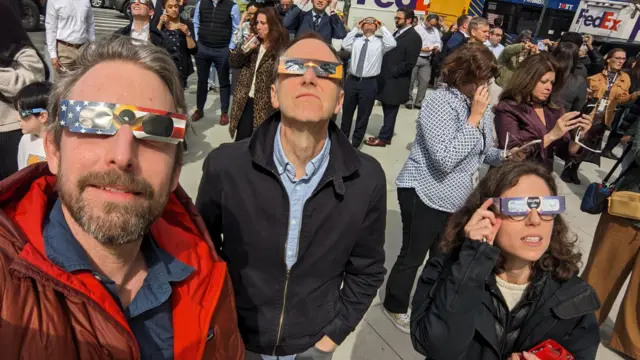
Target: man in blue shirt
column 214, row 21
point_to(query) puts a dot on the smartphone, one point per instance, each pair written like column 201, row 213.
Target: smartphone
column 541, row 46
column 589, row 106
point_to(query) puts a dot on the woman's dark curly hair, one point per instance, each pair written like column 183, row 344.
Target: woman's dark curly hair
column 562, row 258
column 469, row 64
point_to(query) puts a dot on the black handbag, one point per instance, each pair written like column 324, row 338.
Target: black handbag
column 595, row 198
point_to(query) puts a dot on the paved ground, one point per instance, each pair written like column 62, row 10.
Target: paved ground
column 375, row 338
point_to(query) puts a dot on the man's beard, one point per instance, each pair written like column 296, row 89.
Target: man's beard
column 114, row 224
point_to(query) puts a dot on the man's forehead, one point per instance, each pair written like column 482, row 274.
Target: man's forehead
column 123, row 83
column 311, row 49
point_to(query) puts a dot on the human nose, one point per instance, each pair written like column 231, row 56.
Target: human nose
column 533, row 218
column 122, row 148
column 309, row 77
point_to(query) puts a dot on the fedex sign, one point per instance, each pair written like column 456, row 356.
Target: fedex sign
column 605, row 20
column 419, row 5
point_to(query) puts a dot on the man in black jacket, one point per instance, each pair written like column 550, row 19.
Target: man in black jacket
column 301, row 214
column 395, row 79
column 140, row 27
column 591, row 62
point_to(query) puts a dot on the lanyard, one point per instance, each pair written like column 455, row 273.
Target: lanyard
column 609, row 85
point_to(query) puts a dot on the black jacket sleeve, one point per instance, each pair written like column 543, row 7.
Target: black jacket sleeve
column 364, row 272
column 412, row 51
column 192, row 30
column 209, row 200
column 337, row 27
column 292, row 19
column 596, row 64
column 446, row 298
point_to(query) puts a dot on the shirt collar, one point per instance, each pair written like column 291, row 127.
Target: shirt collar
column 62, row 248
column 145, row 29
column 284, row 166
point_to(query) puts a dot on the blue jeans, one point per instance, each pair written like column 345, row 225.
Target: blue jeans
column 219, row 57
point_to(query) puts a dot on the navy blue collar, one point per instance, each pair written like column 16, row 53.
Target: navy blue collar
column 62, row 248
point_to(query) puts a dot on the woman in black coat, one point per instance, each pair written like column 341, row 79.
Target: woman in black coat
column 178, row 38
column 507, row 281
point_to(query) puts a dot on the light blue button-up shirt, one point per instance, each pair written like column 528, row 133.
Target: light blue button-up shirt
column 298, row 190
column 235, row 21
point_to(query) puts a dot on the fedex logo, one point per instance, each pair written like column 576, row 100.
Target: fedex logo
column 419, row 5
column 605, row 20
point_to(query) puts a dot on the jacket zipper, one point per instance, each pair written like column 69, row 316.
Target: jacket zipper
column 79, row 294
column 286, row 281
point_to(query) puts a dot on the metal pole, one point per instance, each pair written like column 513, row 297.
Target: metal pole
column 544, row 9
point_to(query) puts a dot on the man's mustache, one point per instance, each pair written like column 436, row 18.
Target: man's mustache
column 113, row 178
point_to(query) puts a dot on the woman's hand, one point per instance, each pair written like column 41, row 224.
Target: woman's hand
column 483, row 225
column 566, row 123
column 243, row 18
column 164, row 19
column 185, row 29
column 585, row 122
column 250, row 43
column 479, row 105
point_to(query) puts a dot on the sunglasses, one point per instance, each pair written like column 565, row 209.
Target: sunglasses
column 142, row 2
column 29, row 112
column 296, row 66
column 518, row 208
column 99, row 118
column 370, row 21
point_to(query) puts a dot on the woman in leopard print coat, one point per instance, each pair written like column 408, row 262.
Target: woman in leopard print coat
column 252, row 95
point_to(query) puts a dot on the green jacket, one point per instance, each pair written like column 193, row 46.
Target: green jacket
column 508, row 62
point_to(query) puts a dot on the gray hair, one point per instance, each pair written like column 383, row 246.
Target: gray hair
column 115, row 48
column 476, row 22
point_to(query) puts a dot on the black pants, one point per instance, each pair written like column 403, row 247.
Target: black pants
column 204, row 58
column 245, row 126
column 390, row 114
column 360, row 93
column 9, row 141
column 421, row 230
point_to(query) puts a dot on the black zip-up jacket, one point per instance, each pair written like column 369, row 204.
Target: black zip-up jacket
column 341, row 241
column 458, row 313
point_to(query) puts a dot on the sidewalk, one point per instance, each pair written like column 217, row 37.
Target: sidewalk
column 376, row 338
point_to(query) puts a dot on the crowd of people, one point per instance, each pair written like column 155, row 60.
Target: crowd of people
column 103, row 255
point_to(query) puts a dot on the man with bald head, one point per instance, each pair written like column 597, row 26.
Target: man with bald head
column 299, row 215
column 102, row 255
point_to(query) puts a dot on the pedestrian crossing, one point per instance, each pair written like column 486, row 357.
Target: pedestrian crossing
column 108, row 21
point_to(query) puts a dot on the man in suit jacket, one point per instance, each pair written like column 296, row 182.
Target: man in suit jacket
column 395, row 78
column 329, row 26
column 459, row 37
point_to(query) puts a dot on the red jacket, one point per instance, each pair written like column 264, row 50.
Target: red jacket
column 47, row 313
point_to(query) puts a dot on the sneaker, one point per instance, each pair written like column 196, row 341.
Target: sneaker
column 401, row 321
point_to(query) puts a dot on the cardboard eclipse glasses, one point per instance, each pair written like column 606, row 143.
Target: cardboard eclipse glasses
column 518, row 208
column 298, row 66
column 100, row 118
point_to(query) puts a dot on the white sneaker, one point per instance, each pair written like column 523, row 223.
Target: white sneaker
column 401, row 321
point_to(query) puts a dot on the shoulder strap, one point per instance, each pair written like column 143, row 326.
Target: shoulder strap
column 613, row 169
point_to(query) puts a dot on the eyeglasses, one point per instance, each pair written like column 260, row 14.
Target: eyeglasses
column 29, row 112
column 518, row 208
column 297, row 66
column 99, row 118
column 369, row 21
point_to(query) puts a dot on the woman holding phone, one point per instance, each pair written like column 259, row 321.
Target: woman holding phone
column 179, row 40
column 507, row 279
column 526, row 117
column 256, row 60
column 454, row 138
